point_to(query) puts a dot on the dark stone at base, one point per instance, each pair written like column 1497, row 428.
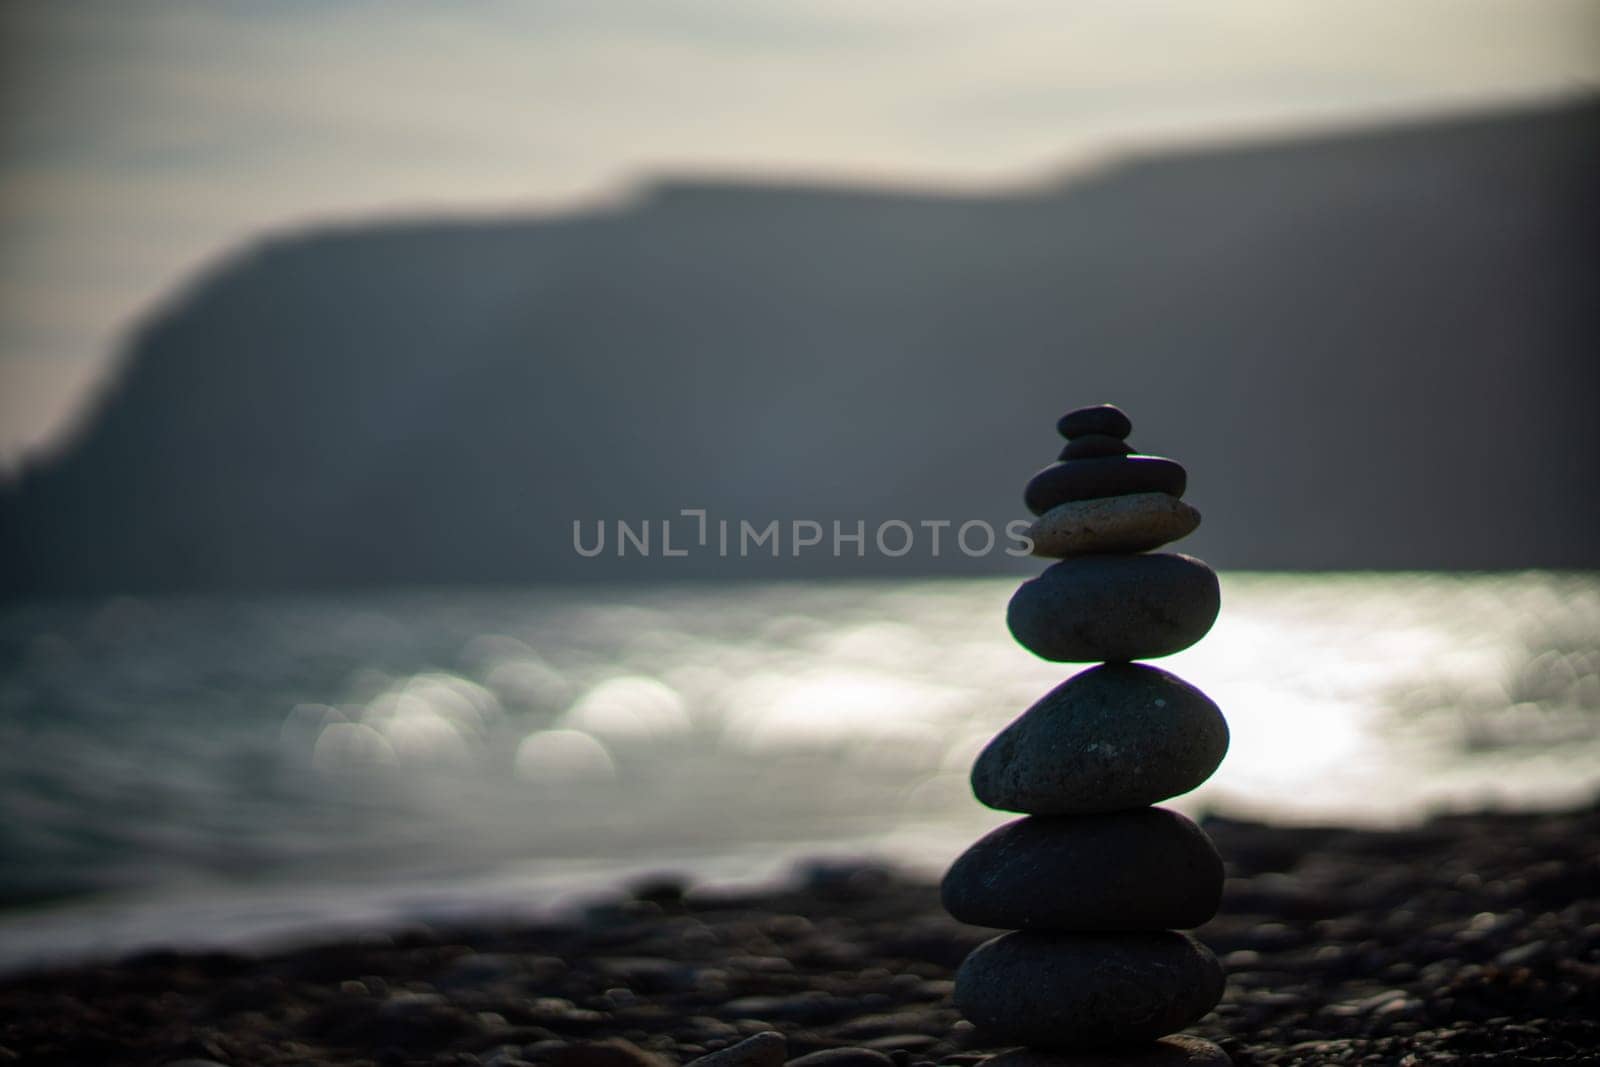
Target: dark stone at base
column 1089, row 479
column 1175, row 1050
column 1077, row 991
column 1117, row 736
column 1146, row 869
column 1115, row 608
column 1095, row 445
column 1097, row 418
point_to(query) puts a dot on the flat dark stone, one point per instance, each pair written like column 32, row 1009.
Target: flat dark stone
column 1087, row 479
column 1116, row 736
column 1085, row 991
column 1097, row 418
column 1115, row 608
column 1094, row 446
column 1145, row 869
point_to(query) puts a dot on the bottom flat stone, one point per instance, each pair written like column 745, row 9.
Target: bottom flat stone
column 1178, row 1050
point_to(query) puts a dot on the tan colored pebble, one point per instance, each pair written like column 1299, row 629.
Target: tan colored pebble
column 1137, row 522
column 1176, row 1050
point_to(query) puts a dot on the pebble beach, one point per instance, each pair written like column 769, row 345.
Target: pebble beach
column 1466, row 939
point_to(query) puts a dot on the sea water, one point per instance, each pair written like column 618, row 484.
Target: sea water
column 218, row 770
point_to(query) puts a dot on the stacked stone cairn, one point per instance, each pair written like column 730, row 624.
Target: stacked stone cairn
column 1096, row 884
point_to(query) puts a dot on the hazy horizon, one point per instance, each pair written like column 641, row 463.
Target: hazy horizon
column 134, row 150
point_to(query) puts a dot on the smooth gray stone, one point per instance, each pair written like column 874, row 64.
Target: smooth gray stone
column 1120, row 735
column 1174, row 1050
column 1145, row 869
column 1081, row 991
column 1087, row 479
column 1096, row 418
column 1115, row 608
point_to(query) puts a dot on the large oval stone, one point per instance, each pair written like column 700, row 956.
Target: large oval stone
column 1085, row 479
column 1134, row 523
column 1115, row 608
column 1064, row 991
column 1145, row 869
column 1121, row 735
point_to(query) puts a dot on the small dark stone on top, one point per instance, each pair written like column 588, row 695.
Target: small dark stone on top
column 1099, row 418
column 1095, row 445
column 1090, row 479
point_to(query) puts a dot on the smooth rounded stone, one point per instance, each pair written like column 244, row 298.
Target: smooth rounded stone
column 1079, row 991
column 1115, row 608
column 1107, row 419
column 766, row 1049
column 1086, row 479
column 1134, row 523
column 1116, row 736
column 1095, row 445
column 1145, row 869
column 1174, row 1050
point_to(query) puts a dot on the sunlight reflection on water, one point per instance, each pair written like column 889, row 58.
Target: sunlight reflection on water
column 183, row 746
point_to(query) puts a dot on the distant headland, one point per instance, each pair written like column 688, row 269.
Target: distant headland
column 1378, row 347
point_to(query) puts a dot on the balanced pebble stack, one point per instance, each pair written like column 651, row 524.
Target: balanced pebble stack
column 1095, row 883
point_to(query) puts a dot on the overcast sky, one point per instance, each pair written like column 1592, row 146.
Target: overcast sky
column 140, row 141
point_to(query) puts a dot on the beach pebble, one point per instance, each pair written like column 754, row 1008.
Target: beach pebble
column 1087, row 479
column 1174, row 1050
column 844, row 1057
column 612, row 1052
column 1137, row 522
column 1095, row 445
column 1058, row 991
column 1145, row 869
column 1115, row 608
column 1120, row 735
column 1097, row 418
column 766, row 1049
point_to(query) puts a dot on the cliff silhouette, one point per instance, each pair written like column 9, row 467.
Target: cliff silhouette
column 1373, row 349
